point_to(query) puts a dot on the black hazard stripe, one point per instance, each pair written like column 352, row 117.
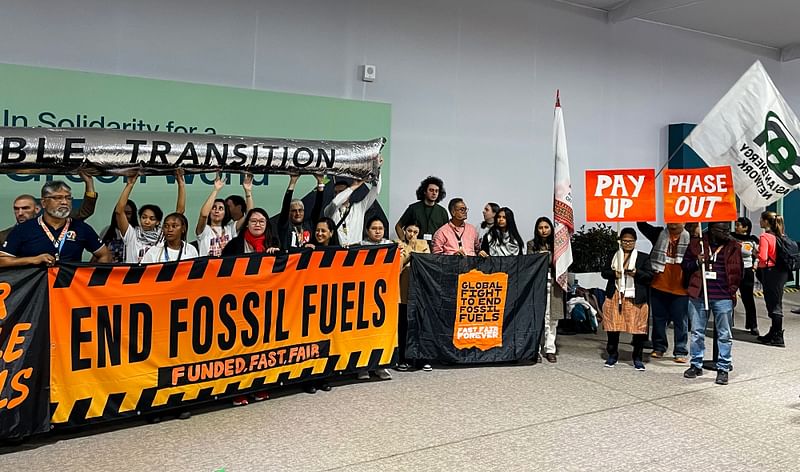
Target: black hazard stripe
column 226, row 268
column 254, row 264
column 350, row 259
column 134, row 275
column 372, row 254
column 328, row 256
column 391, row 253
column 279, row 265
column 100, row 276
column 167, row 272
column 198, row 269
column 64, row 277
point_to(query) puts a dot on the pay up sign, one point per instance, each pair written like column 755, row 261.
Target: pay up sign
column 620, row 195
column 699, row 195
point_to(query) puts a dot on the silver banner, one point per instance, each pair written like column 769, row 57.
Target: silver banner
column 103, row 152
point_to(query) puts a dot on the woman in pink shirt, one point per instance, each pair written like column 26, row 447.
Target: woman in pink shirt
column 773, row 277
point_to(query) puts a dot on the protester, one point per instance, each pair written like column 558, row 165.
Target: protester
column 457, row 237
column 717, row 258
column 325, row 234
column 138, row 239
column 543, row 241
column 408, row 245
column 489, row 214
column 53, row 236
column 625, row 310
column 503, row 237
column 173, row 246
column 349, row 215
column 742, row 234
column 26, row 208
column 773, row 276
column 294, row 229
column 215, row 227
column 668, row 297
column 425, row 211
column 237, row 207
column 111, row 236
column 256, row 236
column 375, row 231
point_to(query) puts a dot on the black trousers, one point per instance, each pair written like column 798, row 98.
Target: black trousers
column 773, row 280
column 612, row 346
column 746, row 291
column 402, row 332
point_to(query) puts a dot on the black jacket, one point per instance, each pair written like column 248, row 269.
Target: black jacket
column 641, row 280
column 284, row 226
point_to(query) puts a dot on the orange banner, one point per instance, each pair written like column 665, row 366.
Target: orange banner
column 700, row 195
column 479, row 310
column 620, row 195
column 134, row 338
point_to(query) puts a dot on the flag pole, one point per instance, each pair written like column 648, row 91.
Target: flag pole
column 670, row 159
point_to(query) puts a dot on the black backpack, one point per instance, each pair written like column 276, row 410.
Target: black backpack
column 787, row 253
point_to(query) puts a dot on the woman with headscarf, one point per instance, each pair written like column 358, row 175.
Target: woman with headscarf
column 138, row 239
column 625, row 310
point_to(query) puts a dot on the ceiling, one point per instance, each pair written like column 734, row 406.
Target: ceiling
column 766, row 23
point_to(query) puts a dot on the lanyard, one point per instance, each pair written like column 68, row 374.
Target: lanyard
column 58, row 244
column 165, row 252
column 458, row 236
column 713, row 258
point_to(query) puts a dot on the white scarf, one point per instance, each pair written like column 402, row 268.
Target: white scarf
column 625, row 284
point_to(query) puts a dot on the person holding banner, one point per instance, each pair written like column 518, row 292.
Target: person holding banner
column 257, row 236
column 408, row 245
column 294, row 229
column 742, row 233
column 351, row 214
column 215, row 226
column 457, row 237
column 773, row 277
column 543, row 241
column 714, row 265
column 375, row 231
column 53, row 236
column 626, row 310
column 173, row 247
column 325, row 234
column 139, row 239
column 668, row 297
column 503, row 237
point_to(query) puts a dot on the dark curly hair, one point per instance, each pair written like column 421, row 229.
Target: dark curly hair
column 423, row 186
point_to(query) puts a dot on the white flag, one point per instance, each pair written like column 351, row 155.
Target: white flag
column 753, row 130
column 562, row 201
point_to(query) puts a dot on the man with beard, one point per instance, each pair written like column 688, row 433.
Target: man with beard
column 718, row 258
column 53, row 236
column 294, row 229
column 26, row 208
column 668, row 297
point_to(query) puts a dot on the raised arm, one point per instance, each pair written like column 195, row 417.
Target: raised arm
column 180, row 206
column 89, row 201
column 209, row 203
column 283, row 217
column 119, row 210
column 316, row 210
column 247, row 186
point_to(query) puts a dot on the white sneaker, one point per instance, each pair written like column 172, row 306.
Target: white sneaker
column 427, row 368
column 384, row 374
column 363, row 375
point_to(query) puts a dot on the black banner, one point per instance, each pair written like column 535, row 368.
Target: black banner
column 462, row 315
column 24, row 353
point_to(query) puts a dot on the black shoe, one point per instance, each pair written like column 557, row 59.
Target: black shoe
column 777, row 339
column 185, row 415
column 693, row 372
column 754, row 331
column 796, row 311
column 722, row 378
column 767, row 338
column 310, row 389
column 325, row 387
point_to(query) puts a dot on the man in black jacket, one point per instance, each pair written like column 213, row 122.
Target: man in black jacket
column 294, row 229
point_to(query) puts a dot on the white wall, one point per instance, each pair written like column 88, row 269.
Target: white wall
column 471, row 82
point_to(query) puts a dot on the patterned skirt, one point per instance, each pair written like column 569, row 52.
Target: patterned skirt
column 629, row 318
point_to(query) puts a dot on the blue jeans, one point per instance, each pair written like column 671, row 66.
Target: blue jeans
column 667, row 307
column 723, row 310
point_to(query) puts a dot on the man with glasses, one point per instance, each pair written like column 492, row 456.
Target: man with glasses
column 294, row 229
column 26, row 208
column 53, row 236
column 457, row 237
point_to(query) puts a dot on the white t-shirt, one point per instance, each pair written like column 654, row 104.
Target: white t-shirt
column 212, row 240
column 157, row 254
column 134, row 248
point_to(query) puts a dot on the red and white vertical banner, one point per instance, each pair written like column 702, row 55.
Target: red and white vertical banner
column 563, row 218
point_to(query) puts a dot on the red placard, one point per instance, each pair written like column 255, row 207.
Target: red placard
column 700, row 195
column 620, row 195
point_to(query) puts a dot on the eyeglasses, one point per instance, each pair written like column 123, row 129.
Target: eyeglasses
column 462, row 210
column 59, row 198
column 627, row 241
column 258, row 222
